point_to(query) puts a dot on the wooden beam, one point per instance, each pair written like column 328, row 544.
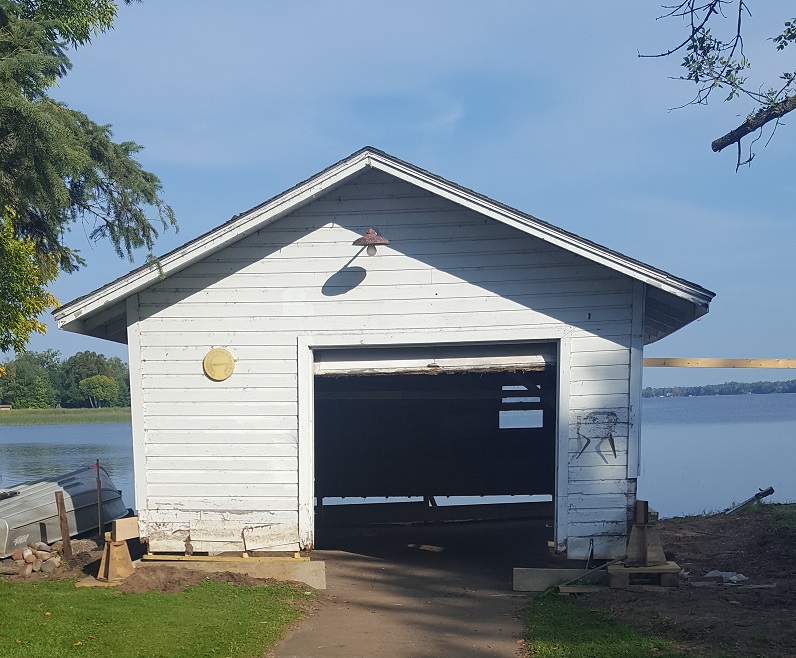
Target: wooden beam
column 720, row 363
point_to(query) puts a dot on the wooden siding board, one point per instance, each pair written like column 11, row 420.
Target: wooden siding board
column 245, row 435
column 137, row 404
column 563, row 431
column 218, row 476
column 236, row 407
column 237, row 394
column 224, row 503
column 225, row 449
column 636, row 372
column 220, row 423
column 287, row 491
column 227, row 463
column 601, row 487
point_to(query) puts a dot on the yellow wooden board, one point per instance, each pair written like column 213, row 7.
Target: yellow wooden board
column 719, row 363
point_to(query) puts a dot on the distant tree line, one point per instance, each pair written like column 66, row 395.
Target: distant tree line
column 41, row 380
column 728, row 388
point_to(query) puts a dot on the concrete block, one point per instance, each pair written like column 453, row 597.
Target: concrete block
column 538, row 580
column 312, row 573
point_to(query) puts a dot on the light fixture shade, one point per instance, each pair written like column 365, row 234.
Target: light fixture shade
column 371, row 238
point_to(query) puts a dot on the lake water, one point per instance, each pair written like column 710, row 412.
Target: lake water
column 698, row 454
column 28, row 452
column 706, row 453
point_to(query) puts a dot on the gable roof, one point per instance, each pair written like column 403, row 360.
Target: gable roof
column 680, row 303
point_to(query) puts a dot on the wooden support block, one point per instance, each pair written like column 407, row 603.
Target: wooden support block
column 578, row 589
column 664, row 575
column 122, row 529
column 618, row 580
column 669, row 567
column 116, row 564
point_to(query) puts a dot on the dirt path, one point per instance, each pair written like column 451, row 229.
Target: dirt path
column 437, row 590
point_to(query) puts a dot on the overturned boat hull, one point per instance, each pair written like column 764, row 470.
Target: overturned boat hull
column 28, row 512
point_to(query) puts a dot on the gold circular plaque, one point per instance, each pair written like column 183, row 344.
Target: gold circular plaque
column 218, row 364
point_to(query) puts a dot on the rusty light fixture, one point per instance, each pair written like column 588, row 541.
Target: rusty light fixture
column 370, row 240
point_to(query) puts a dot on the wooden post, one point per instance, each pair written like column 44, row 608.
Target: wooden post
column 99, row 499
column 65, row 538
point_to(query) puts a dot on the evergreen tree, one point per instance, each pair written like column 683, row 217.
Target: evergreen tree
column 57, row 166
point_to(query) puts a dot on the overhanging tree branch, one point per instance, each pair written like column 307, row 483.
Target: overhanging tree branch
column 714, row 59
column 755, row 122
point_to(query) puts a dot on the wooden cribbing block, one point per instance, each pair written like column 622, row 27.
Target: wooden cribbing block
column 667, row 575
column 122, row 529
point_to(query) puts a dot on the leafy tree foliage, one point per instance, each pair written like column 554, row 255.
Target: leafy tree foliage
column 77, row 368
column 23, row 280
column 41, row 379
column 59, row 168
column 99, row 389
column 32, row 381
column 121, row 375
column 714, row 59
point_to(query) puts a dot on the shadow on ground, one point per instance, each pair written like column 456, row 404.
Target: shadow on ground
column 442, row 589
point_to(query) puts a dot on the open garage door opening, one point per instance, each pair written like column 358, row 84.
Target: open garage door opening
column 443, row 433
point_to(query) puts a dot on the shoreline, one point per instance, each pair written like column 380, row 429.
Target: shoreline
column 103, row 415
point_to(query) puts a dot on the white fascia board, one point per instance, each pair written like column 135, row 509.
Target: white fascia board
column 545, row 231
column 207, row 244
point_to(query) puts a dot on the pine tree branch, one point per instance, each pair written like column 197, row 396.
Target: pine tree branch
column 754, row 122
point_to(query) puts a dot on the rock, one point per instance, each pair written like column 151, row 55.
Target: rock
column 55, row 560
column 26, row 570
column 43, row 555
column 41, row 546
column 37, row 565
column 30, row 558
column 48, row 566
column 26, row 551
column 725, row 576
column 17, row 554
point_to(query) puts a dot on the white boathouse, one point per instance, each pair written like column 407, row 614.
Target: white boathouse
column 481, row 352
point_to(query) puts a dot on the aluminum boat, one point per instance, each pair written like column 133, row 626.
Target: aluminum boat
column 29, row 514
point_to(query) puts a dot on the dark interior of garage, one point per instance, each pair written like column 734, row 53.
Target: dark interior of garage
column 469, row 434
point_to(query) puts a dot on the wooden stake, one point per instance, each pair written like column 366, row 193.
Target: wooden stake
column 99, row 499
column 65, row 538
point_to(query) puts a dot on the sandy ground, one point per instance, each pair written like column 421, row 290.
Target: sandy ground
column 423, row 590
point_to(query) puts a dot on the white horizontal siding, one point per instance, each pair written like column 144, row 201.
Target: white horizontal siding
column 216, row 476
column 238, row 435
column 223, row 503
column 222, row 408
column 446, row 273
column 225, row 449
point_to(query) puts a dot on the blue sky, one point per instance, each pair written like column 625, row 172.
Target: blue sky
column 543, row 106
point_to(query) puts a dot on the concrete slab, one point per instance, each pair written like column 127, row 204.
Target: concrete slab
column 312, row 573
column 538, row 580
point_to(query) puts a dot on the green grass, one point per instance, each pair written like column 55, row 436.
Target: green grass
column 781, row 516
column 557, row 627
column 206, row 620
column 65, row 416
